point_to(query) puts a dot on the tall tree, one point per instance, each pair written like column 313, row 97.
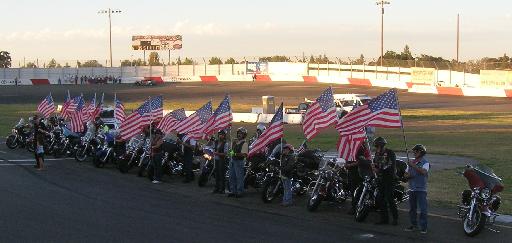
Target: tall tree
column 231, row 61
column 188, row 61
column 154, row 59
column 215, row 61
column 53, row 64
column 91, row 63
column 5, row 59
column 30, row 65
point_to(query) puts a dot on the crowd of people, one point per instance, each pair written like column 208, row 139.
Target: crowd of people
column 232, row 154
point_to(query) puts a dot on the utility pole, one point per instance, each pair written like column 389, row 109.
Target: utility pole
column 382, row 3
column 109, row 12
column 458, row 38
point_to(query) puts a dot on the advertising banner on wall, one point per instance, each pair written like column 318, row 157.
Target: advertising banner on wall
column 257, row 68
column 495, row 78
column 423, row 75
column 157, row 42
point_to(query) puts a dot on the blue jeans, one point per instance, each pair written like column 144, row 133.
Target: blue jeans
column 418, row 198
column 236, row 176
column 287, row 186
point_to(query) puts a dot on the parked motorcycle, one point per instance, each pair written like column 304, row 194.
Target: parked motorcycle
column 255, row 171
column 106, row 151
column 480, row 203
column 87, row 147
column 273, row 187
column 67, row 145
column 172, row 160
column 133, row 151
column 331, row 185
column 366, row 194
column 20, row 135
column 145, row 158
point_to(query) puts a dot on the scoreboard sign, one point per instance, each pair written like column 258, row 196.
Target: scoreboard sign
column 157, row 42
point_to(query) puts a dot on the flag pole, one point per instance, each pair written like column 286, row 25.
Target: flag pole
column 150, row 130
column 402, row 126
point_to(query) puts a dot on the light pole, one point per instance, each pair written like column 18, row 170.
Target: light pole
column 110, row 12
column 382, row 3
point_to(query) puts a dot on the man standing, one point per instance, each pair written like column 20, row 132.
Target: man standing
column 238, row 154
column 417, row 173
column 385, row 165
column 188, row 156
column 157, row 139
column 221, row 151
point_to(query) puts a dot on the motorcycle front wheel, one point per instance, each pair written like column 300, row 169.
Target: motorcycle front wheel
column 270, row 191
column 124, row 166
column 362, row 209
column 97, row 162
column 473, row 224
column 203, row 178
column 314, row 200
column 11, row 142
column 81, row 154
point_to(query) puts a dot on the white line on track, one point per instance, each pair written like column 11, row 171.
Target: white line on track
column 29, row 160
column 3, row 152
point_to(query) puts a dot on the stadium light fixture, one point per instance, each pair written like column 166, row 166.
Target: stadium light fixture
column 382, row 3
column 110, row 12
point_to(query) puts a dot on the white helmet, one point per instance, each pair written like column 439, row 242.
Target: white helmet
column 261, row 127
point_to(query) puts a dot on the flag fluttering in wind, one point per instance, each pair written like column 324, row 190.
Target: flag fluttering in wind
column 274, row 131
column 221, row 118
column 195, row 122
column 382, row 111
column 348, row 145
column 72, row 105
column 171, row 120
column 320, row 114
column 141, row 117
column 119, row 111
column 46, row 107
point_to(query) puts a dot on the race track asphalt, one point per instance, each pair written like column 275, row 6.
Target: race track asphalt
column 292, row 93
column 76, row 202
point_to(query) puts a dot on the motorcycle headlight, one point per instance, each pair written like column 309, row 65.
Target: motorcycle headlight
column 13, row 130
column 485, row 193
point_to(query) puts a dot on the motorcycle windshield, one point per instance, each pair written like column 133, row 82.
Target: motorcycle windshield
column 487, row 175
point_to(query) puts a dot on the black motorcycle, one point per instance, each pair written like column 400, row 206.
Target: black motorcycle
column 87, row 147
column 107, row 151
column 67, row 145
column 367, row 194
column 20, row 136
column 255, row 171
column 130, row 158
column 331, row 185
column 172, row 160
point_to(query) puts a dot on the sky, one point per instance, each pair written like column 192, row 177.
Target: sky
column 73, row 29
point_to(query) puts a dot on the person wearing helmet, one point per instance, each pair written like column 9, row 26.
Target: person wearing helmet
column 260, row 128
column 221, row 151
column 385, row 166
column 287, row 166
column 239, row 151
column 417, row 173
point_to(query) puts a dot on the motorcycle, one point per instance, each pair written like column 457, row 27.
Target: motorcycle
column 106, row 151
column 145, row 158
column 479, row 204
column 172, row 160
column 86, row 147
column 255, row 171
column 300, row 178
column 67, row 145
column 20, row 136
column 130, row 158
column 331, row 185
column 367, row 193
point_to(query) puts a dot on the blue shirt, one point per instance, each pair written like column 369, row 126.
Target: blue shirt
column 418, row 181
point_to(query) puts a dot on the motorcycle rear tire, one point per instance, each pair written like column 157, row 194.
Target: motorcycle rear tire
column 482, row 218
column 30, row 147
column 98, row 163
column 11, row 142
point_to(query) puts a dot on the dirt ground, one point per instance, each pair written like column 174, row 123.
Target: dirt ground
column 246, row 93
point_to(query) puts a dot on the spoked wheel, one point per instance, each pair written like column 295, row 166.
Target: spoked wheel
column 362, row 209
column 270, row 191
column 81, row 154
column 12, row 142
column 314, row 200
column 473, row 224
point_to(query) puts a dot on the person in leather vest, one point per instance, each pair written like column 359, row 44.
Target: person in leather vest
column 239, row 151
column 221, row 151
column 188, row 156
column 385, row 167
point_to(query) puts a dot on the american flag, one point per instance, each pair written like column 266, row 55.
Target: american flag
column 119, row 111
column 77, row 123
column 46, row 107
column 157, row 107
column 90, row 112
column 169, row 122
column 349, row 144
column 141, row 117
column 274, row 131
column 320, row 114
column 221, row 118
column 75, row 104
column 302, row 148
column 381, row 111
column 195, row 122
